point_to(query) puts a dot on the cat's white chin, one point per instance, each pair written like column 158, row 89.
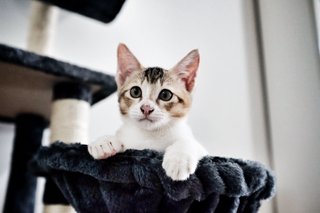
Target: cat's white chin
column 150, row 124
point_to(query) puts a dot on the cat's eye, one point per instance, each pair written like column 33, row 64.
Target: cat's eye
column 135, row 92
column 165, row 95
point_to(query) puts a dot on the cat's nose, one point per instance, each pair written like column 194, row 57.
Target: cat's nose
column 146, row 109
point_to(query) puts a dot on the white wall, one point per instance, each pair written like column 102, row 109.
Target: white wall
column 293, row 77
column 161, row 33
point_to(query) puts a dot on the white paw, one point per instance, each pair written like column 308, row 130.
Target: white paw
column 104, row 147
column 179, row 166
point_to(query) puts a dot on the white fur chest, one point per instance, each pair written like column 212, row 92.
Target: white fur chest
column 133, row 137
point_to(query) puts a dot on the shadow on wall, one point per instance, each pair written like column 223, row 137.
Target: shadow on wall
column 6, row 132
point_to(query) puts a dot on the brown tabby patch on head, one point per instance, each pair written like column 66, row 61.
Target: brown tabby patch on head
column 154, row 74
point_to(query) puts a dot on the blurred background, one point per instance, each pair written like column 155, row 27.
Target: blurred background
column 258, row 89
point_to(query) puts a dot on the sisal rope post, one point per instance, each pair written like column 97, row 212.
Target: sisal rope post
column 69, row 123
column 43, row 19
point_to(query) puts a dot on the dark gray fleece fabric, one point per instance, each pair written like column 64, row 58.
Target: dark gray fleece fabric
column 100, row 10
column 134, row 181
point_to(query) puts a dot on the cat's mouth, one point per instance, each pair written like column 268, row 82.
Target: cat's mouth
column 146, row 119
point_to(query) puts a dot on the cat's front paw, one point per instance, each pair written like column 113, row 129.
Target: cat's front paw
column 179, row 166
column 104, row 147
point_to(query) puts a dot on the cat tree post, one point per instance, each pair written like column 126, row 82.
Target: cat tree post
column 42, row 22
column 69, row 123
column 22, row 184
column 41, row 29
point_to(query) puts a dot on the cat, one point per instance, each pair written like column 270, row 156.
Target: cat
column 154, row 104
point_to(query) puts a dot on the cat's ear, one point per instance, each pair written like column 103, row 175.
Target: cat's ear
column 127, row 63
column 187, row 68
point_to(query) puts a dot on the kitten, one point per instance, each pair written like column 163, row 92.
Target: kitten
column 154, row 103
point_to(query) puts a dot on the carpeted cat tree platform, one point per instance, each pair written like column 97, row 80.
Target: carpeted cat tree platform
column 134, row 181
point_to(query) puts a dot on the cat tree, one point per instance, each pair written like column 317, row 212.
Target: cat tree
column 37, row 91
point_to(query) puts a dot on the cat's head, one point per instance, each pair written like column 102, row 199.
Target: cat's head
column 154, row 97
